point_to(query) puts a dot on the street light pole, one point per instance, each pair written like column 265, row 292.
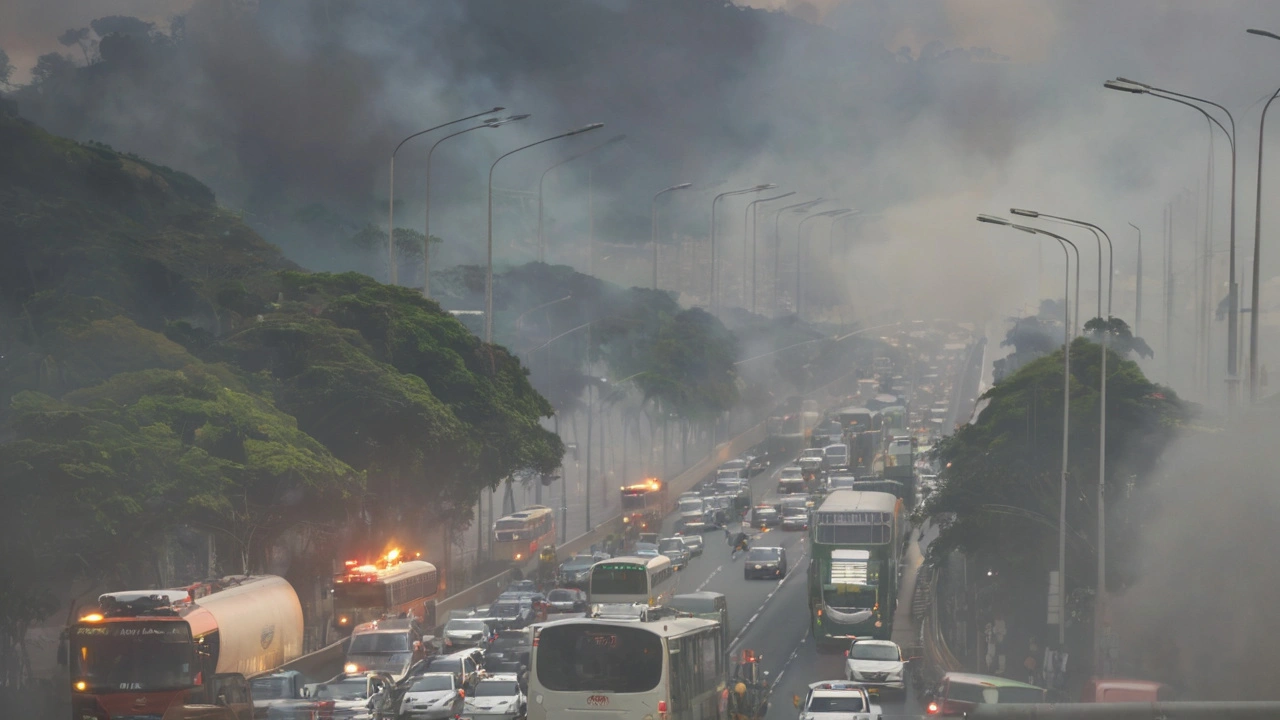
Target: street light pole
column 754, row 216
column 1066, row 411
column 1137, row 310
column 391, row 189
column 653, row 225
column 1233, row 292
column 1100, row 599
column 716, row 199
column 777, row 243
column 1254, row 307
column 426, row 242
column 542, row 246
column 488, row 277
column 800, row 244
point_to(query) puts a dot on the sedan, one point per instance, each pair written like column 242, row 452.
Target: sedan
column 765, row 516
column 694, row 543
column 432, row 696
column 567, row 600
column 765, row 562
column 498, row 697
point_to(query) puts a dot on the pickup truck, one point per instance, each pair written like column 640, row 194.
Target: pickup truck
column 279, row 695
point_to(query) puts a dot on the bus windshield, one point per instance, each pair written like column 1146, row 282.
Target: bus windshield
column 619, row 580
column 633, row 500
column 384, row 642
column 585, row 658
column 359, row 595
column 135, row 656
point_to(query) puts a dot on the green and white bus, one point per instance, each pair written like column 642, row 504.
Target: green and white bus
column 853, row 568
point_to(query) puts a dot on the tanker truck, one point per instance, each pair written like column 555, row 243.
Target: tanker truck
column 145, row 652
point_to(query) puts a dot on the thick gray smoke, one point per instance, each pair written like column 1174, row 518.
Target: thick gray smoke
column 1202, row 615
column 920, row 113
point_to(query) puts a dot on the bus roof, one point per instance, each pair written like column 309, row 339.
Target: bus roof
column 529, row 512
column 854, row 500
column 987, row 680
column 664, row 627
column 651, row 563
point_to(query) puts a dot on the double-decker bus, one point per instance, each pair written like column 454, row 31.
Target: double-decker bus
column 644, row 504
column 647, row 580
column 148, row 653
column 519, row 536
column 862, row 433
column 390, row 586
column 853, row 567
column 672, row 668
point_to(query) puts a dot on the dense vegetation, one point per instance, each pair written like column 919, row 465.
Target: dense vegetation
column 164, row 367
column 998, row 501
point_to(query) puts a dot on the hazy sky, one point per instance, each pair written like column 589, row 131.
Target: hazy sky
column 922, row 113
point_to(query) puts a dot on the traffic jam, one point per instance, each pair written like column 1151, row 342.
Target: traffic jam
column 634, row 626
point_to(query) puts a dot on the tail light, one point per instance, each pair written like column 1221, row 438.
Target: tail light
column 932, row 709
column 846, row 653
column 662, row 706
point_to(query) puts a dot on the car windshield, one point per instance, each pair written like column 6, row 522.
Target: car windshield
column 580, row 562
column 497, row 688
column 349, row 689
column 506, row 609
column 867, row 651
column 385, row 642
column 444, row 665
column 836, row 704
column 510, row 640
column 559, row 595
column 669, row 545
column 759, row 554
column 432, row 683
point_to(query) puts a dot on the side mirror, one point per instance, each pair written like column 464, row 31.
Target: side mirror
column 62, row 652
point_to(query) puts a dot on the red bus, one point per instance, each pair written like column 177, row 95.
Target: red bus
column 391, row 586
column 146, row 651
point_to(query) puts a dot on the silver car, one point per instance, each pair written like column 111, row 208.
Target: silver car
column 674, row 548
column 498, row 697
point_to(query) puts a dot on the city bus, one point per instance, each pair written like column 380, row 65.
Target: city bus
column 391, row 586
column 518, row 536
column 672, row 668
column 853, row 567
column 650, row 581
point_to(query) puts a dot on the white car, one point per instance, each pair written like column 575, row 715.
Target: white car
column 876, row 664
column 496, row 697
column 432, row 696
column 838, row 700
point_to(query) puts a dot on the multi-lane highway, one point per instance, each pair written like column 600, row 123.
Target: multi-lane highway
column 771, row 617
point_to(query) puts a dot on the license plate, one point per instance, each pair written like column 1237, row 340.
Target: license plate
column 873, row 691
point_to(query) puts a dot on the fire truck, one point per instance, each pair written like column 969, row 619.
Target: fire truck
column 643, row 505
column 145, row 652
column 391, row 586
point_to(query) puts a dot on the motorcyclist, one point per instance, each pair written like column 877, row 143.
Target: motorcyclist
column 740, row 541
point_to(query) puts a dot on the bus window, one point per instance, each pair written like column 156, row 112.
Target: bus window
column 620, row 581
column 582, row 658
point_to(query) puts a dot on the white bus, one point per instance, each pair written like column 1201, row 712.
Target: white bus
column 651, row 581
column 519, row 536
column 673, row 668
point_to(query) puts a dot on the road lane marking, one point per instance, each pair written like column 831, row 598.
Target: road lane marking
column 713, row 574
column 778, row 680
column 763, row 604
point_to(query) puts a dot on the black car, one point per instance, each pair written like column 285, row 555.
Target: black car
column 765, row 562
column 509, row 652
column 765, row 516
column 510, row 612
column 576, row 571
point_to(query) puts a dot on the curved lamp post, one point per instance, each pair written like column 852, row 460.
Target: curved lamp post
column 716, row 199
column 653, row 224
column 391, row 201
column 488, row 276
column 753, row 218
column 800, row 243
column 426, row 243
column 798, row 208
column 1066, row 409
column 542, row 246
